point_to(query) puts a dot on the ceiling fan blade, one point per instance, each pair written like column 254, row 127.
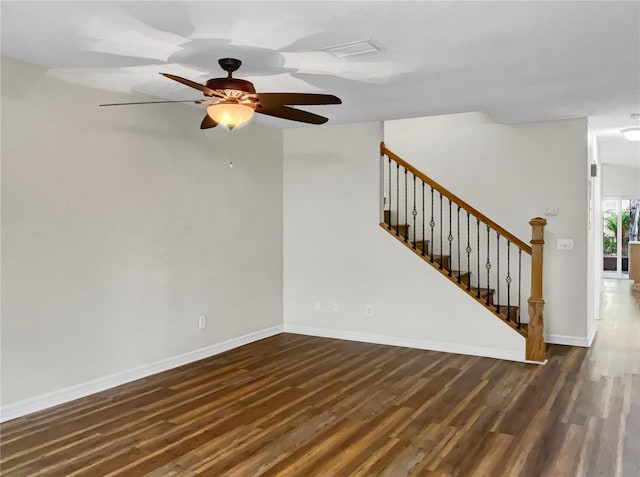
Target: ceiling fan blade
column 278, row 99
column 286, row 112
column 193, row 84
column 207, row 123
column 196, row 101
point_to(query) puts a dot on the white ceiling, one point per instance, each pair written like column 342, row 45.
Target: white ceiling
column 519, row 61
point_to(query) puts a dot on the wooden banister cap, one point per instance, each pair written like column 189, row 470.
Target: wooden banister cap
column 538, row 221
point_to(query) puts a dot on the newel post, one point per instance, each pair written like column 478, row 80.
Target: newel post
column 536, row 347
column 382, row 198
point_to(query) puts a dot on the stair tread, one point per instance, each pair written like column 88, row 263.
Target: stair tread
column 399, row 227
column 510, row 314
column 419, row 243
column 401, row 230
column 483, row 290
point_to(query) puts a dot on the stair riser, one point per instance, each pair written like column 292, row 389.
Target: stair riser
column 420, row 244
column 406, row 232
column 402, row 230
column 482, row 296
column 446, row 260
column 513, row 312
column 464, row 277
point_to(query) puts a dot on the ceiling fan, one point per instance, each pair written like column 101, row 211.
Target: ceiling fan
column 235, row 100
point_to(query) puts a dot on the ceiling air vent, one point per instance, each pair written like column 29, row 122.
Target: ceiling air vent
column 352, row 49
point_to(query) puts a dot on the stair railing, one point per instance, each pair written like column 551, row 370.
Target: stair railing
column 473, row 251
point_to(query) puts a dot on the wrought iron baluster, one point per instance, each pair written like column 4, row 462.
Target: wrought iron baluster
column 498, row 271
column 414, row 212
column 431, row 224
column 398, row 198
column 478, row 249
column 508, row 280
column 519, row 283
column 458, row 235
column 423, row 249
column 468, row 250
column 488, row 267
column 406, row 222
column 441, row 248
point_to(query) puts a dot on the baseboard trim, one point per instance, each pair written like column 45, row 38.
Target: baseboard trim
column 44, row 401
column 440, row 346
column 542, row 363
column 566, row 340
column 593, row 334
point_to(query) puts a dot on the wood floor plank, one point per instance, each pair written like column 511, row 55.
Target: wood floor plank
column 294, row 405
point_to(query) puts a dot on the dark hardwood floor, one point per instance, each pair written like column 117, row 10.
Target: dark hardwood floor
column 301, row 406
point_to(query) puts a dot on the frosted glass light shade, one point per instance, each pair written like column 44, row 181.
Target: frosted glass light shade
column 230, row 115
column 631, row 134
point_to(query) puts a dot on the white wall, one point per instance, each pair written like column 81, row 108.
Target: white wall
column 620, row 181
column 512, row 173
column 335, row 252
column 121, row 225
column 594, row 243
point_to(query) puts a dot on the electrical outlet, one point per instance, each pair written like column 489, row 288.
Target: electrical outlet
column 336, row 306
column 316, row 306
column 369, row 310
column 202, row 322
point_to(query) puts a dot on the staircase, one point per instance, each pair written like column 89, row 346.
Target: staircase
column 479, row 256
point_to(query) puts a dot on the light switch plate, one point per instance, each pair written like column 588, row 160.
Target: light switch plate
column 552, row 211
column 565, row 244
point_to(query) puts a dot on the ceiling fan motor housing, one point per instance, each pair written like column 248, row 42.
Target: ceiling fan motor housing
column 231, row 83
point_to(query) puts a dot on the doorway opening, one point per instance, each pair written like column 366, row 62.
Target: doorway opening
column 619, row 226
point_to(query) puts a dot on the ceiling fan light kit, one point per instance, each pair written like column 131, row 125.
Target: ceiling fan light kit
column 631, row 134
column 236, row 100
column 230, row 115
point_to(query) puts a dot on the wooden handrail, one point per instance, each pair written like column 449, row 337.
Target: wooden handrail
column 454, row 198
